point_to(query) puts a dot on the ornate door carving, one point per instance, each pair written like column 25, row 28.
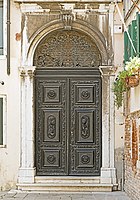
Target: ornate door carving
column 68, row 122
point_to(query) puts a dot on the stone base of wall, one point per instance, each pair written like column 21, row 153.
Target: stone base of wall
column 118, row 165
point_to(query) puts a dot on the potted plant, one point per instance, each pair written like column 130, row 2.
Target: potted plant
column 127, row 78
column 133, row 67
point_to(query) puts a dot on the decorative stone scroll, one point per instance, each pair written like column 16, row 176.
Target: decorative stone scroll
column 67, row 19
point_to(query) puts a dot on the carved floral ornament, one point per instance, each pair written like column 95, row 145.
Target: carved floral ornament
column 67, row 49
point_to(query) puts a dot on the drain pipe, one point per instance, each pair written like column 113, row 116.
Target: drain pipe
column 8, row 37
column 123, row 172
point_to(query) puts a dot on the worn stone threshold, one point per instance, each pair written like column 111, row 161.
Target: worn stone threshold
column 66, row 179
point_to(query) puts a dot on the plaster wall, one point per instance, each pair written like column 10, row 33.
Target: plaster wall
column 119, row 114
column 23, row 27
column 10, row 154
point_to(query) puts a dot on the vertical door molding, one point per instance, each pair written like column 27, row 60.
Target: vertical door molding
column 108, row 171
column 26, row 170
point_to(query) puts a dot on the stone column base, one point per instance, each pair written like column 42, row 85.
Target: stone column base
column 26, row 175
column 108, row 175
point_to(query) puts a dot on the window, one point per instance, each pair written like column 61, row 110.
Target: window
column 2, row 120
column 138, row 34
column 134, row 32
column 127, row 6
column 1, row 27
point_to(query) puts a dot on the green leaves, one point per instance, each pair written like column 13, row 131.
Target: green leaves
column 120, row 84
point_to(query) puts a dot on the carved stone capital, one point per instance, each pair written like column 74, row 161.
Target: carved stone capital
column 27, row 72
column 107, row 70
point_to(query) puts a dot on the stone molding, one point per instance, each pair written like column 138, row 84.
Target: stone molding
column 27, row 169
column 108, row 174
column 62, row 1
column 108, row 171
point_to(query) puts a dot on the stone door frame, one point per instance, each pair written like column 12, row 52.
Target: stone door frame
column 27, row 170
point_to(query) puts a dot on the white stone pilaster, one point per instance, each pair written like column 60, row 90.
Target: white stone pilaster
column 27, row 169
column 108, row 171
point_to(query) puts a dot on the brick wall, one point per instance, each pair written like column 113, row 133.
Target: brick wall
column 132, row 155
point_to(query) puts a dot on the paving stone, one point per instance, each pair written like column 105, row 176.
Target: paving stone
column 64, row 196
column 21, row 195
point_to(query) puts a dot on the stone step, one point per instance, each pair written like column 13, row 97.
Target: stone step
column 60, row 187
column 67, row 180
column 66, row 184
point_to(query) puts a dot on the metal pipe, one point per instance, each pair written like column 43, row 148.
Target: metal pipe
column 8, row 37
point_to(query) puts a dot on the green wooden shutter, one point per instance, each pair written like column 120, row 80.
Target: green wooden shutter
column 1, row 121
column 134, row 38
column 129, row 43
column 126, row 57
column 138, row 34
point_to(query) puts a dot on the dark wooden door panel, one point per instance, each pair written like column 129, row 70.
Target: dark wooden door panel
column 51, row 128
column 85, row 137
column 68, row 124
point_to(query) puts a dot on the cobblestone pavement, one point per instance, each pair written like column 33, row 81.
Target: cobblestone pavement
column 13, row 195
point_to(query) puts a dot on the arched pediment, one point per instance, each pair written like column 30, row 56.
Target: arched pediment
column 82, row 29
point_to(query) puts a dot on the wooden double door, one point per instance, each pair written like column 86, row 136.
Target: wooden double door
column 68, row 122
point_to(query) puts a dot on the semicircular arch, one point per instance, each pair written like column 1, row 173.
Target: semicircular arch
column 78, row 25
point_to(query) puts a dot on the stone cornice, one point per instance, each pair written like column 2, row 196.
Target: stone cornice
column 64, row 1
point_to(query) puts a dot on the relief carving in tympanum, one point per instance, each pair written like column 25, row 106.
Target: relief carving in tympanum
column 67, row 49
